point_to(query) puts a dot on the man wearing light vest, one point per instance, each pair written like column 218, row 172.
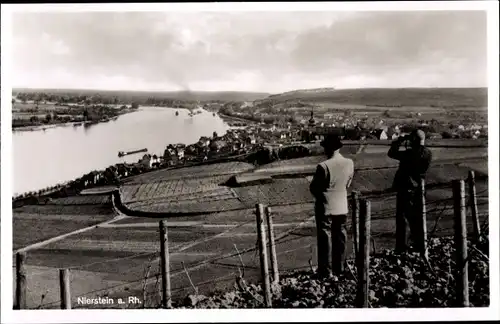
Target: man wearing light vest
column 329, row 187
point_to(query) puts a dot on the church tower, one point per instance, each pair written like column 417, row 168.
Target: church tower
column 312, row 122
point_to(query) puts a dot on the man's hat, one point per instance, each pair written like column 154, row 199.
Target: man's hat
column 331, row 141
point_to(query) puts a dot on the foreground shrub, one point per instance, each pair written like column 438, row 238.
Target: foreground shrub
column 396, row 280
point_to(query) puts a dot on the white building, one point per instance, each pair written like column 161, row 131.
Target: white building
column 180, row 153
column 146, row 161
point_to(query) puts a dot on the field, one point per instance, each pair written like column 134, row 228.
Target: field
column 33, row 224
column 209, row 250
column 201, row 189
column 25, row 107
column 114, row 258
column 413, row 97
column 219, row 169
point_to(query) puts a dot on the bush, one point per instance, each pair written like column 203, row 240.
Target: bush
column 396, row 280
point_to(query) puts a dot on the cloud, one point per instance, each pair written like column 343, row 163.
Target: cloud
column 253, row 51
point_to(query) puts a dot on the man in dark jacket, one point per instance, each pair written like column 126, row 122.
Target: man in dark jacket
column 413, row 165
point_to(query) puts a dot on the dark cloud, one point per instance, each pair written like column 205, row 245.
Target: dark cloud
column 250, row 51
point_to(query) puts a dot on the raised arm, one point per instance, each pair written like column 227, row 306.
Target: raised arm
column 394, row 152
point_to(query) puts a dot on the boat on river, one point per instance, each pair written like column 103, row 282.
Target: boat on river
column 121, row 153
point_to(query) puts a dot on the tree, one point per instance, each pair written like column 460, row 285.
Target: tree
column 446, row 135
column 48, row 118
column 214, row 135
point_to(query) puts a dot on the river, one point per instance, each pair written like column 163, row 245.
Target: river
column 44, row 158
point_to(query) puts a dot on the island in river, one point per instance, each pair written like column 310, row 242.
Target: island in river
column 36, row 115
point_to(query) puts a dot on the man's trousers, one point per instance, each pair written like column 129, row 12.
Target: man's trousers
column 332, row 235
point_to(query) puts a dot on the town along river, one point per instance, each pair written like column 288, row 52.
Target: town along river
column 44, row 158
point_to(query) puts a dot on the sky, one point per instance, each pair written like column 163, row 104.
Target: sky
column 248, row 51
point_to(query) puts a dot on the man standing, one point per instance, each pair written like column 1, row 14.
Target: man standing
column 413, row 165
column 329, row 187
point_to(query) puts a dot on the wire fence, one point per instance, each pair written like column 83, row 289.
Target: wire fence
column 139, row 274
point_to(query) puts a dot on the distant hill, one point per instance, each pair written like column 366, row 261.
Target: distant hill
column 143, row 95
column 443, row 97
column 302, row 92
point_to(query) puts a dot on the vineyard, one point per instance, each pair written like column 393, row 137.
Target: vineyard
column 119, row 256
column 207, row 194
column 368, row 161
column 192, row 172
column 209, row 252
column 398, row 280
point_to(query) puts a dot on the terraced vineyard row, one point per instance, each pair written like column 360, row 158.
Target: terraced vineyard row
column 160, row 189
column 82, row 200
column 76, row 210
column 193, row 172
column 280, row 192
column 198, row 197
column 106, row 245
column 373, row 160
column 189, row 206
column 31, row 228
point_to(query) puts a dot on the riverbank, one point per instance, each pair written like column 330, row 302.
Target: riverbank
column 236, row 120
column 67, row 124
column 69, row 153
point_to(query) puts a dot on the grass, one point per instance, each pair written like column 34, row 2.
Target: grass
column 23, row 107
column 40, row 229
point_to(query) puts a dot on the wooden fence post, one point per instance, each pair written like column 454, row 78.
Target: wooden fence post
column 272, row 243
column 20, row 281
column 64, row 279
column 355, row 222
column 462, row 277
column 473, row 205
column 165, row 266
column 363, row 260
column 401, row 240
column 423, row 221
column 264, row 269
